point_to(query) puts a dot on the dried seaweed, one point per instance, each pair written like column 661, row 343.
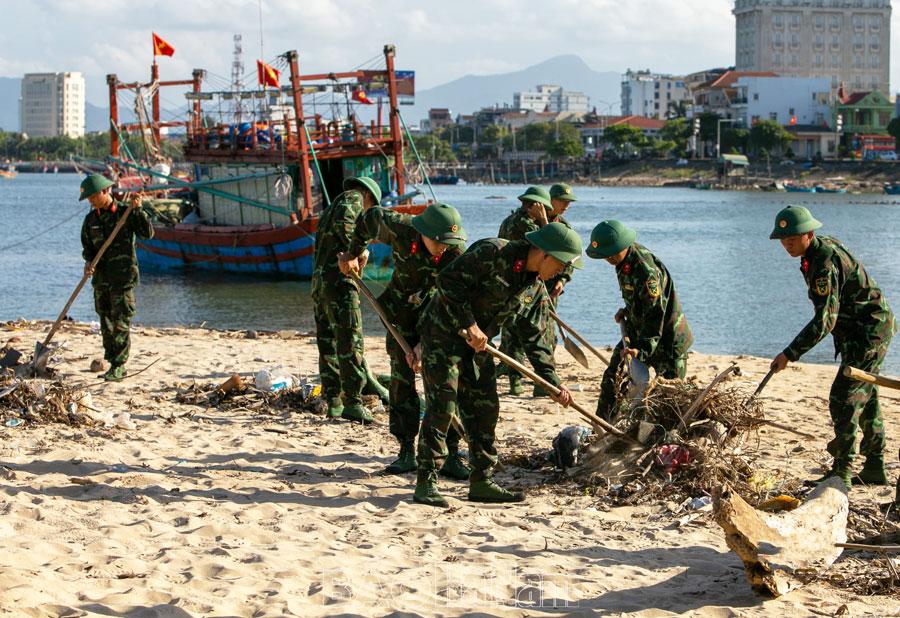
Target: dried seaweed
column 26, row 402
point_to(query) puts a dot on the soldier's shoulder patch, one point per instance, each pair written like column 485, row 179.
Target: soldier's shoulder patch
column 652, row 285
column 822, row 285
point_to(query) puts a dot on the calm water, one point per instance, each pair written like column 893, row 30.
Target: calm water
column 740, row 290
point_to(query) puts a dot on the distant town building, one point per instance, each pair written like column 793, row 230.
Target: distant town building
column 52, row 104
column 653, row 95
column 438, row 118
column 719, row 96
column 864, row 112
column 789, row 101
column 846, row 41
column 550, row 98
column 592, row 133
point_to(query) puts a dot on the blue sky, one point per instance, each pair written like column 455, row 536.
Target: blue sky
column 441, row 40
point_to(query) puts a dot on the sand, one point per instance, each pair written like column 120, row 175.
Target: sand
column 214, row 514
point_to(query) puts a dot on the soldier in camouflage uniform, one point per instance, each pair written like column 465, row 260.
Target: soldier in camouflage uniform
column 656, row 327
column 479, row 292
column 849, row 305
column 421, row 246
column 339, row 335
column 526, row 334
column 116, row 274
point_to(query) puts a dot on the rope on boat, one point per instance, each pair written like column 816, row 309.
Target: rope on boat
column 415, row 150
column 318, row 169
column 42, row 232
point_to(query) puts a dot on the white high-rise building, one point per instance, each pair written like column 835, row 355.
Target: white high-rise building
column 846, row 41
column 52, row 104
column 551, row 99
column 652, row 95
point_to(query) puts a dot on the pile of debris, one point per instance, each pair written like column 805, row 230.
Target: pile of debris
column 35, row 402
column 237, row 394
column 686, row 440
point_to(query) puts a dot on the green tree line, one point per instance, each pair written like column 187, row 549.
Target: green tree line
column 20, row 147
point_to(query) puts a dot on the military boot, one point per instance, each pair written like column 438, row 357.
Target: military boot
column 406, row 461
column 373, row 387
column 427, row 490
column 455, row 467
column 488, row 491
column 335, row 407
column 873, row 472
column 838, row 469
column 357, row 412
column 515, row 385
column 116, row 373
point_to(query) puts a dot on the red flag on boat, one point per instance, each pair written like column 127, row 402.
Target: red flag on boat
column 267, row 75
column 161, row 47
column 360, row 95
column 793, row 120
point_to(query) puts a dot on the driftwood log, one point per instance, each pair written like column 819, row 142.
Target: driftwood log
column 777, row 547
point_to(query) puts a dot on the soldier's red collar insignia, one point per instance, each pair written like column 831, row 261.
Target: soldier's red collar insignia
column 414, row 248
column 804, row 265
column 626, row 268
column 436, row 258
column 519, row 266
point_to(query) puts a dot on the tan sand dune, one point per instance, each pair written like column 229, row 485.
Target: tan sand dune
column 213, row 515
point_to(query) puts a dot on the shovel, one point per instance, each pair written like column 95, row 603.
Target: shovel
column 42, row 351
column 563, row 327
column 638, row 372
column 404, row 344
column 573, row 349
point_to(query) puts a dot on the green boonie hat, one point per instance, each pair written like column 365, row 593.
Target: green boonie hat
column 792, row 221
column 366, row 183
column 537, row 194
column 609, row 238
column 441, row 222
column 562, row 191
column 559, row 241
column 95, row 183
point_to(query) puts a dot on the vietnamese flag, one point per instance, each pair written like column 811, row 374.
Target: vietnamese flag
column 161, row 47
column 793, row 120
column 267, row 75
column 360, row 95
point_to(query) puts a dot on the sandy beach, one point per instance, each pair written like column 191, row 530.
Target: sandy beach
column 199, row 512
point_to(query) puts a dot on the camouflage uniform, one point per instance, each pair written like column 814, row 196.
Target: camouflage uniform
column 484, row 286
column 530, row 333
column 116, row 274
column 336, row 304
column 655, row 324
column 849, row 305
column 411, row 286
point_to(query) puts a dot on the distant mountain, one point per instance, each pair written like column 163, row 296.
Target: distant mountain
column 472, row 92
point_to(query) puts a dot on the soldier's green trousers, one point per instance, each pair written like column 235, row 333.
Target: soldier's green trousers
column 115, row 306
column 404, row 409
column 531, row 334
column 855, row 405
column 669, row 368
column 458, row 381
column 339, row 338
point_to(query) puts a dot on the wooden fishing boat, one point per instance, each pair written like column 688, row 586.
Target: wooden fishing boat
column 792, row 188
column 261, row 175
column 892, row 189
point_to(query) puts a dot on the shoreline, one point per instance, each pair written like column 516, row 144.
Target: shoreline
column 276, row 512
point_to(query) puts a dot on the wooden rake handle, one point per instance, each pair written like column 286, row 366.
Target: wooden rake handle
column 592, row 418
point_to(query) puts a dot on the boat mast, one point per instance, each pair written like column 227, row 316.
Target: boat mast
column 303, row 174
column 396, row 136
column 112, row 82
column 154, row 83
